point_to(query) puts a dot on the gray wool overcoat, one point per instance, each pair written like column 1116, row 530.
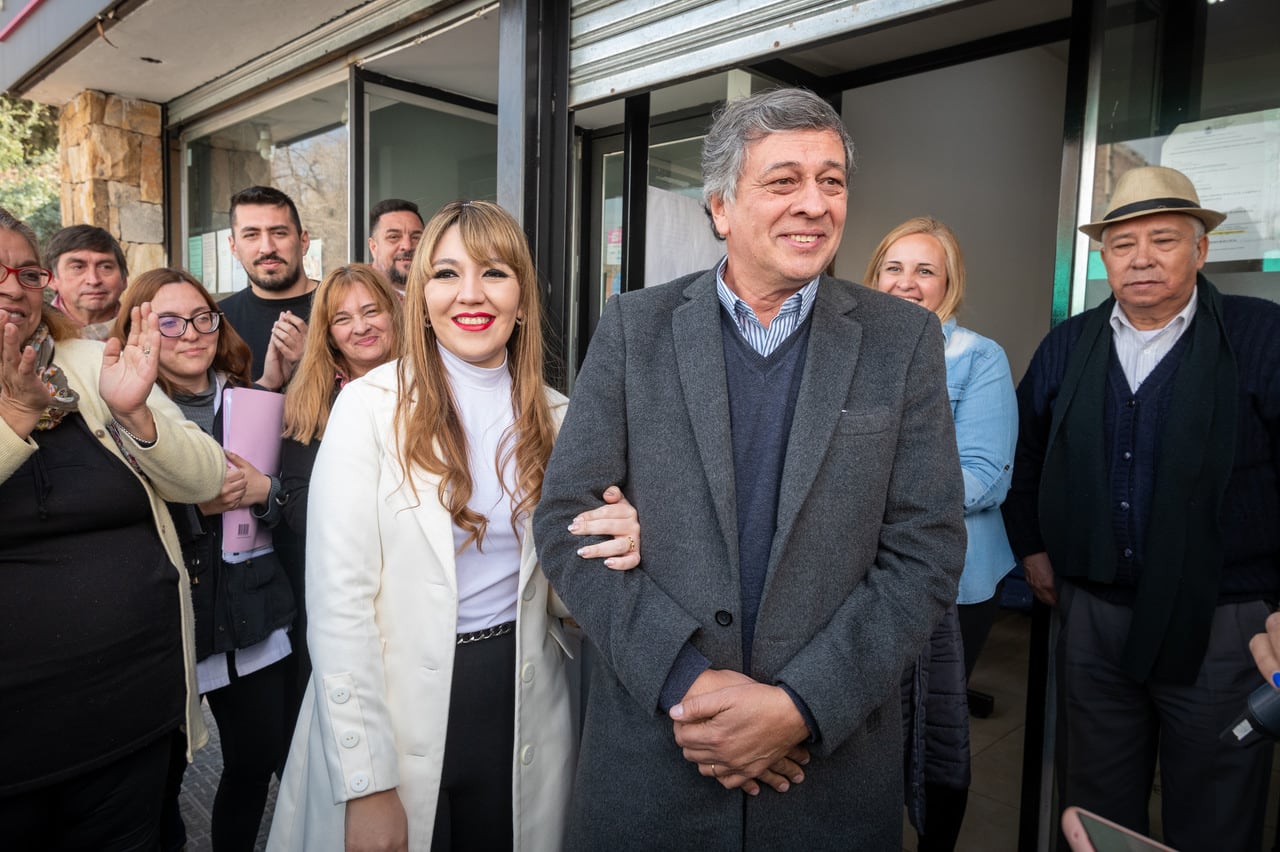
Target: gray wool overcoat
column 867, row 552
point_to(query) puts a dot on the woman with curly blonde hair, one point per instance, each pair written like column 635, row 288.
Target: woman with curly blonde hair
column 439, row 698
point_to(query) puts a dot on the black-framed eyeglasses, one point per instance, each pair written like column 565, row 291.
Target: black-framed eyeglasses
column 31, row 277
column 206, row 322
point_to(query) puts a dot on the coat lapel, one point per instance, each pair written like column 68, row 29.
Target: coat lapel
column 700, row 360
column 835, row 339
column 436, row 525
column 431, row 517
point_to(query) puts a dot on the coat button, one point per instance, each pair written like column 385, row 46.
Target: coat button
column 526, row 673
column 359, row 782
column 724, row 618
column 350, row 739
column 526, row 755
column 529, row 592
column 99, row 433
column 340, row 695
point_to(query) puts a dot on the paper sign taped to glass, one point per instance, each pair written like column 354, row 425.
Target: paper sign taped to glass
column 1234, row 162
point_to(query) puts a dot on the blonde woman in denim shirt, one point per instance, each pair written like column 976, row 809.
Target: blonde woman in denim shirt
column 920, row 261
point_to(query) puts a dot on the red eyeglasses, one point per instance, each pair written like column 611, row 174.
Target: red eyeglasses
column 31, row 277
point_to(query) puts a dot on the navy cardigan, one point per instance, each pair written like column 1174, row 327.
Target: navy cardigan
column 1250, row 515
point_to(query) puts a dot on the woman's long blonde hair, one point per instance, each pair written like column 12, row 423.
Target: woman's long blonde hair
column 952, row 299
column 310, row 396
column 431, row 434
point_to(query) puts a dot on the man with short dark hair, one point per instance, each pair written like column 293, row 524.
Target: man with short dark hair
column 89, row 275
column 395, row 226
column 787, row 441
column 1145, row 506
column 271, row 315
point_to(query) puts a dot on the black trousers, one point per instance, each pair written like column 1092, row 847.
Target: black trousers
column 115, row 808
column 474, row 810
column 1213, row 795
column 975, row 625
column 252, row 713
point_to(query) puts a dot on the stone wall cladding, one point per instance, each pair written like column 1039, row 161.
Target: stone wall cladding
column 112, row 157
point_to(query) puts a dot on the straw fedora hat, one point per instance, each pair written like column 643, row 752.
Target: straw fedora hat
column 1153, row 189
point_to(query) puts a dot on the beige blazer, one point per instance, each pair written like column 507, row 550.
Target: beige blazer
column 382, row 603
column 185, row 466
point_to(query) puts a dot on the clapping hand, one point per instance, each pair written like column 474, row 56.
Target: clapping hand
column 23, row 396
column 284, row 351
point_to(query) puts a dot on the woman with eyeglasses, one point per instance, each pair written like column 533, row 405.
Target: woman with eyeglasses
column 242, row 609
column 97, row 668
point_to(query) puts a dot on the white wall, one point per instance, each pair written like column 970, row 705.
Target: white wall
column 978, row 146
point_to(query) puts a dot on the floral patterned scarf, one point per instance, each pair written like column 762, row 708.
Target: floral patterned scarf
column 62, row 398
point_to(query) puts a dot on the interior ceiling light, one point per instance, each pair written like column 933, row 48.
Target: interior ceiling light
column 265, row 148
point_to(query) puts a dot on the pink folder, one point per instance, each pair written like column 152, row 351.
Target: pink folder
column 252, row 422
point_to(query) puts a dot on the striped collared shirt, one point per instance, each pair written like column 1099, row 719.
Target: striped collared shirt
column 1139, row 351
column 794, row 311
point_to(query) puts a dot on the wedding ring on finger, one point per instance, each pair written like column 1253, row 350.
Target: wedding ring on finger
column 713, row 771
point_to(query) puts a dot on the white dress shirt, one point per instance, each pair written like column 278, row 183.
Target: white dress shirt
column 1139, row 351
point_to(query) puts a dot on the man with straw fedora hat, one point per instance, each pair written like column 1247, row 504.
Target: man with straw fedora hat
column 1145, row 505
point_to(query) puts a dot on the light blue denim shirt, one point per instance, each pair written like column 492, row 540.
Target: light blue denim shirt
column 980, row 387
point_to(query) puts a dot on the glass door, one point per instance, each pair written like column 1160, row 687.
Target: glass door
column 1194, row 86
column 429, row 149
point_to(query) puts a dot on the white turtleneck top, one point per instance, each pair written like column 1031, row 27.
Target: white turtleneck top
column 488, row 581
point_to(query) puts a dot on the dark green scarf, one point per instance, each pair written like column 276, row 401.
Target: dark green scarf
column 1178, row 587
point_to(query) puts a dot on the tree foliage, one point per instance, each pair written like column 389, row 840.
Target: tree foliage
column 29, row 176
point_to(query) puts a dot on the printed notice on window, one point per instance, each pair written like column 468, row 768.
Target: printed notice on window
column 1234, row 162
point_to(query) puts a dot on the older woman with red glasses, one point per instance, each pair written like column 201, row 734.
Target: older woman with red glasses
column 97, row 667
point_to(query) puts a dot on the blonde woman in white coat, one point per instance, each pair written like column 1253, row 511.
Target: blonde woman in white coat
column 439, row 698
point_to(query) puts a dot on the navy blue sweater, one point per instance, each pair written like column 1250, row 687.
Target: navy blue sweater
column 762, row 401
column 1134, row 424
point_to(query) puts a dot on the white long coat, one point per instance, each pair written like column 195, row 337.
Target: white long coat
column 382, row 603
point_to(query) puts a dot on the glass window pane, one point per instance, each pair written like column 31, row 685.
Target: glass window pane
column 678, row 235
column 1196, row 86
column 429, row 152
column 301, row 148
column 611, row 227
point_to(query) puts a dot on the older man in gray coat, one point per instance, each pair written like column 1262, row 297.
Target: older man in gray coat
column 787, row 441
